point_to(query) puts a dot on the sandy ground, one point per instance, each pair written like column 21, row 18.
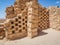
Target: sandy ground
column 47, row 37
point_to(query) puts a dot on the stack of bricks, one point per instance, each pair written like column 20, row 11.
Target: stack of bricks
column 54, row 14
column 17, row 26
column 9, row 12
column 2, row 31
column 26, row 17
column 17, row 9
column 32, row 24
column 19, row 6
column 43, row 18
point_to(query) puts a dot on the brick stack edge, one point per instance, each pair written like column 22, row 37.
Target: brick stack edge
column 2, row 31
column 32, row 22
column 29, row 18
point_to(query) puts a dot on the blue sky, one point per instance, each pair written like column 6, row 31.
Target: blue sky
column 6, row 3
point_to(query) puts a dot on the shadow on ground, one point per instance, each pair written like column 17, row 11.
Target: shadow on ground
column 42, row 33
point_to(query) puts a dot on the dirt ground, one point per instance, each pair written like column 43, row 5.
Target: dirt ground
column 46, row 37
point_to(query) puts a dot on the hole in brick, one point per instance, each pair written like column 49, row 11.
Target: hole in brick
column 39, row 26
column 19, row 25
column 19, row 21
column 13, row 32
column 12, row 26
column 16, row 19
column 23, row 23
column 16, row 24
column 20, row 30
column 19, row 17
column 26, row 17
column 26, row 24
column 12, row 22
column 22, row 9
column 23, row 19
column 23, row 27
